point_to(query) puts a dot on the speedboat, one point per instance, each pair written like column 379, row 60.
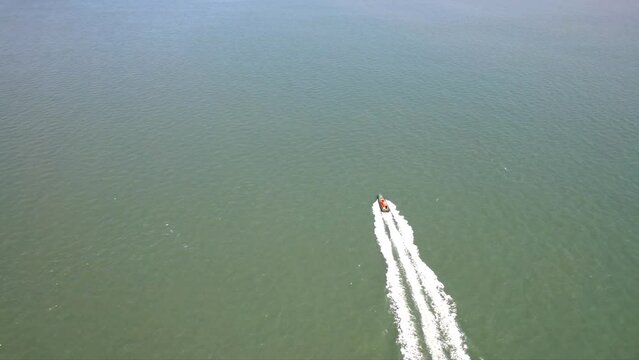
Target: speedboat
column 382, row 203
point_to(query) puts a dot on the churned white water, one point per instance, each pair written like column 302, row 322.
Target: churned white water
column 436, row 309
column 407, row 336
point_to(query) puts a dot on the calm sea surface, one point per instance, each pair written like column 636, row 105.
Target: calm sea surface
column 192, row 179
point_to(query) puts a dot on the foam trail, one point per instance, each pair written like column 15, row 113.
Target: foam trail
column 442, row 304
column 407, row 336
column 428, row 321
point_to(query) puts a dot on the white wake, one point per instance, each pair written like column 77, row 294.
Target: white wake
column 407, row 336
column 437, row 313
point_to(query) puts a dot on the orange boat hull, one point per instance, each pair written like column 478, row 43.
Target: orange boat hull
column 382, row 203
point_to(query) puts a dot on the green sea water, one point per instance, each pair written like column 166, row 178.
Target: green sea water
column 194, row 179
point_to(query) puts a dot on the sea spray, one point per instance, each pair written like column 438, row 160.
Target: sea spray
column 442, row 304
column 428, row 320
column 407, row 336
column 436, row 309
